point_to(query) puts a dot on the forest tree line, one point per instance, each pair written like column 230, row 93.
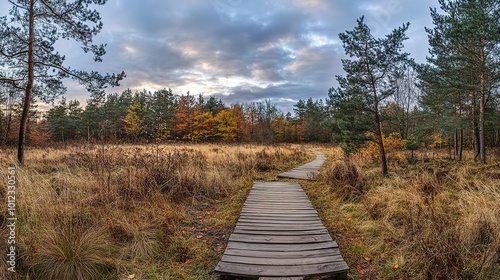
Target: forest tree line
column 144, row 116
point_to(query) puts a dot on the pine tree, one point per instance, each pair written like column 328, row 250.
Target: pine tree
column 465, row 46
column 65, row 120
column 163, row 107
column 365, row 87
column 27, row 42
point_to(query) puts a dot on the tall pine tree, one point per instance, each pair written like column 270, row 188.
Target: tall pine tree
column 464, row 65
column 367, row 82
column 27, row 40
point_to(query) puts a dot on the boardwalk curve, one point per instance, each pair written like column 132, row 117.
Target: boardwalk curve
column 279, row 234
column 308, row 171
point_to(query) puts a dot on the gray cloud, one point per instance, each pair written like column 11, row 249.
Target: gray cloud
column 240, row 51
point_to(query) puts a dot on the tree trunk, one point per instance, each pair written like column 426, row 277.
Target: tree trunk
column 378, row 128
column 475, row 125
column 460, row 144
column 7, row 130
column 450, row 148
column 497, row 138
column 29, row 86
column 482, row 103
column 482, row 137
column 455, row 141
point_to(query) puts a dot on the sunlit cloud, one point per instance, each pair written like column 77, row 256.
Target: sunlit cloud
column 240, row 51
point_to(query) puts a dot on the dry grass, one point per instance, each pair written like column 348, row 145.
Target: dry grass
column 344, row 177
column 437, row 219
column 107, row 212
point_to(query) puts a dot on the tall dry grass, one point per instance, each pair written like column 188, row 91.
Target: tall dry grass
column 109, row 211
column 437, row 219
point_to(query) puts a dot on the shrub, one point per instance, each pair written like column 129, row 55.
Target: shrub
column 393, row 145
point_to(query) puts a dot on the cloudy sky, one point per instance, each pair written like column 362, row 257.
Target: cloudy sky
column 240, row 51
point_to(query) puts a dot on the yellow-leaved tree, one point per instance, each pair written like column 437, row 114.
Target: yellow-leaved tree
column 226, row 125
column 133, row 123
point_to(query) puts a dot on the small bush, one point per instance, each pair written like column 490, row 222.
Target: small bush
column 393, row 145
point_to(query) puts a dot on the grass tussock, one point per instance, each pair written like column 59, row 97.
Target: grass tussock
column 111, row 211
column 71, row 253
column 344, row 177
column 437, row 219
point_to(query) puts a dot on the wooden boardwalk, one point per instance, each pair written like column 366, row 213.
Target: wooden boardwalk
column 279, row 234
column 308, row 171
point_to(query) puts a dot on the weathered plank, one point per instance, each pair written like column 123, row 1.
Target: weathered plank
column 279, row 234
column 281, row 278
column 280, row 255
column 280, row 239
column 282, row 270
column 279, row 227
column 280, row 261
column 273, row 218
column 277, row 222
column 276, row 211
column 281, row 247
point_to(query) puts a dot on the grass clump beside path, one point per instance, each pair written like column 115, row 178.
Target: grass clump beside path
column 136, row 212
column 431, row 219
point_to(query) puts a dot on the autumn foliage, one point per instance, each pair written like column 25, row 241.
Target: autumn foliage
column 393, row 143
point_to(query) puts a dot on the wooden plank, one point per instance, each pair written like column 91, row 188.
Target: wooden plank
column 289, row 261
column 279, row 227
column 281, row 278
column 279, row 207
column 280, row 216
column 278, row 204
column 278, row 222
column 277, row 187
column 267, row 208
column 250, row 210
column 281, row 247
column 282, row 232
column 264, row 197
column 279, row 201
column 275, row 204
column 274, row 188
column 293, row 220
column 248, row 238
column 277, row 255
column 283, row 218
column 278, row 198
column 239, row 269
column 283, row 224
column 277, row 193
